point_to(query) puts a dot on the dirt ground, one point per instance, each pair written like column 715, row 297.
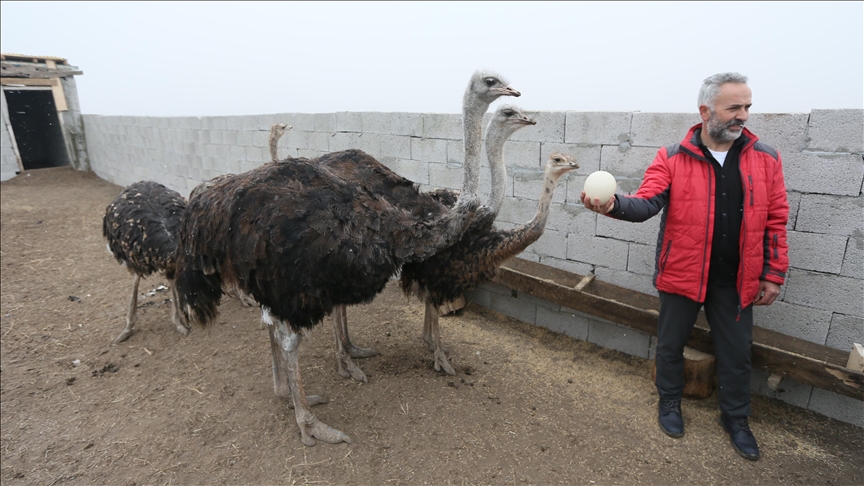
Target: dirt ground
column 527, row 406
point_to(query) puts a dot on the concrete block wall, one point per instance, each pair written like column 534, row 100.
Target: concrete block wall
column 822, row 301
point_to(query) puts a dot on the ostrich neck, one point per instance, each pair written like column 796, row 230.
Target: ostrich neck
column 472, row 128
column 495, row 157
column 524, row 235
column 274, row 146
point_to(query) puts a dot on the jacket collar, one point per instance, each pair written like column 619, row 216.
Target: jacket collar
column 692, row 142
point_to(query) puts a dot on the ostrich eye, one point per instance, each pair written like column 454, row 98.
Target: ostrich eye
column 509, row 112
column 490, row 82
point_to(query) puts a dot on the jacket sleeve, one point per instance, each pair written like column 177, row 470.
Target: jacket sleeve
column 652, row 195
column 776, row 248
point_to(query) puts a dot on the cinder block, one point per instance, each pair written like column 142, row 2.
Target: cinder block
column 827, row 292
column 661, row 129
column 786, row 132
column 789, row 391
column 325, row 123
column 641, row 259
column 375, row 122
column 627, row 165
column 551, row 243
column 429, row 150
column 794, row 204
column 249, row 123
column 529, row 184
column 794, row 320
column 845, row 331
column 818, row 252
column 836, row 215
column 238, row 153
column 619, row 338
column 549, row 128
column 605, row 252
column 833, row 174
column 442, row 125
column 321, row 141
column 565, row 322
column 444, row 176
column 836, row 131
column 302, row 122
column 853, row 261
column 645, row 232
column 836, row 406
column 524, row 155
column 370, row 143
column 262, row 139
column 394, row 146
column 229, row 137
column 578, row 268
column 413, row 170
column 244, row 139
column 410, row 124
column 573, row 218
column 517, row 211
column 628, row 280
column 456, row 152
column 253, row 154
column 513, row 307
column 348, row 121
column 294, row 138
column 589, row 128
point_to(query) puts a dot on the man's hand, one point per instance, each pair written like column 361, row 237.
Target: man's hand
column 594, row 205
column 768, row 291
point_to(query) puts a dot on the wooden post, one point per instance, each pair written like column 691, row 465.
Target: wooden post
column 856, row 358
column 452, row 306
column 698, row 374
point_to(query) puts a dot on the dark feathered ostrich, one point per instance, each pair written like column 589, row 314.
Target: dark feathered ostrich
column 475, row 259
column 300, row 239
column 505, row 121
column 141, row 226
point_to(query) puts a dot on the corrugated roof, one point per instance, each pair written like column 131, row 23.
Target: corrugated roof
column 9, row 56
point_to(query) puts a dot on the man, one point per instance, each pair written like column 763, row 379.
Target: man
column 722, row 245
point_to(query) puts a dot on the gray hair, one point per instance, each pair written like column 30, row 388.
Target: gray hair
column 711, row 87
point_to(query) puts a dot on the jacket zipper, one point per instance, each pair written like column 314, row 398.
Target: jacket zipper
column 705, row 255
column 750, row 181
column 665, row 256
column 742, row 245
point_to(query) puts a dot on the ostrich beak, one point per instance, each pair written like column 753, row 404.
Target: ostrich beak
column 528, row 121
column 507, row 91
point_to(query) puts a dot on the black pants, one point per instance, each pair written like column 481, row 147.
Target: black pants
column 732, row 335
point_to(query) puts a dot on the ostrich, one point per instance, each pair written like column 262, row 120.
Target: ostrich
column 141, row 226
column 475, row 259
column 505, row 121
column 301, row 239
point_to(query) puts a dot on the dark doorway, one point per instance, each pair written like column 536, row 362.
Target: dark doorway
column 35, row 123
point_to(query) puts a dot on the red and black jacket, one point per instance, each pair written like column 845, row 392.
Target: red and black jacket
column 681, row 180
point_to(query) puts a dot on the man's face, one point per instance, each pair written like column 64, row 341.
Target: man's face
column 731, row 111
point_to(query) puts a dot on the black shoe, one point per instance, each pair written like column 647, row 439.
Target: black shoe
column 669, row 417
column 740, row 436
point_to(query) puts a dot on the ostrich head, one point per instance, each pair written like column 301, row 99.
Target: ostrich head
column 505, row 121
column 487, row 86
column 560, row 164
column 279, row 129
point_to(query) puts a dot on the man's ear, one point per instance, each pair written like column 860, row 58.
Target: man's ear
column 704, row 112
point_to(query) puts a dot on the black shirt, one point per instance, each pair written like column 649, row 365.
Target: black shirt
column 728, row 215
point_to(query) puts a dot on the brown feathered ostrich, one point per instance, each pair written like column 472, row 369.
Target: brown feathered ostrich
column 505, row 121
column 301, row 240
column 475, row 259
column 141, row 226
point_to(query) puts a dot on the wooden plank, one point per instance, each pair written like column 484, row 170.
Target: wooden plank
column 59, row 95
column 787, row 356
column 25, row 82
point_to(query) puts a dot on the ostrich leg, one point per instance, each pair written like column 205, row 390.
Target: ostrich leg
column 175, row 312
column 281, row 371
column 344, row 364
column 340, row 314
column 131, row 314
column 286, row 343
column 430, row 320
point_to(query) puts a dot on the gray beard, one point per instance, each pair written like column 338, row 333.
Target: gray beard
column 720, row 132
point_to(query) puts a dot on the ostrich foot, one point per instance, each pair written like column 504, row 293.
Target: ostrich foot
column 356, row 352
column 347, row 368
column 441, row 362
column 312, row 400
column 427, row 338
column 316, row 429
column 124, row 335
column 182, row 329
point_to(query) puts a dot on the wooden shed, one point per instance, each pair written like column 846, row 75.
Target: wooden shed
column 42, row 124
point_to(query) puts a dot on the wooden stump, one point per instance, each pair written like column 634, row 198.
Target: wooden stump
column 698, row 374
column 451, row 306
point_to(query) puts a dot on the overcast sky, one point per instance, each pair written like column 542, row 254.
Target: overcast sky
column 222, row 58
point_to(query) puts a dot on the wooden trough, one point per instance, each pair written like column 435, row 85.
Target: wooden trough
column 780, row 355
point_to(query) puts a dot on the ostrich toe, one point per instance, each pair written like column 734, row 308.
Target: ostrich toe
column 321, row 431
column 347, row 368
column 441, row 362
column 356, row 352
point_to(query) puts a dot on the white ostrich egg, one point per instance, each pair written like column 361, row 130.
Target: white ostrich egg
column 600, row 185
